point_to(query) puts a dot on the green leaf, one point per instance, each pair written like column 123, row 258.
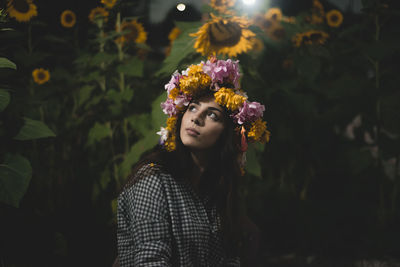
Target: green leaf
column 15, row 175
column 136, row 151
column 117, row 96
column 308, row 66
column 182, row 47
column 84, row 94
column 4, row 99
column 91, row 76
column 98, row 132
column 140, row 122
column 133, row 67
column 103, row 57
column 5, row 63
column 253, row 165
column 158, row 119
column 33, row 129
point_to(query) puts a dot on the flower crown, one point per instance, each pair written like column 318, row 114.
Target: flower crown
column 221, row 77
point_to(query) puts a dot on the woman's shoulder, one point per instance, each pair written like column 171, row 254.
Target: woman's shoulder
column 148, row 173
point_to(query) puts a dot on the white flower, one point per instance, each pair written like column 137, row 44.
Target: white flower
column 163, row 133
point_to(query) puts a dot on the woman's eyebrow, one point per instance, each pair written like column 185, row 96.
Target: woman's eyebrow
column 212, row 108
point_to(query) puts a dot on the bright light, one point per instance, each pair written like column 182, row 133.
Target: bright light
column 249, row 2
column 181, row 7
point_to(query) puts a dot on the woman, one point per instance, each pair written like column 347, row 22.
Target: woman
column 180, row 205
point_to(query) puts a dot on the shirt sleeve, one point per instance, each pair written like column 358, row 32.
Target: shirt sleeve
column 143, row 225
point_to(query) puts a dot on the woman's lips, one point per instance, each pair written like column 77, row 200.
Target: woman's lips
column 192, row 132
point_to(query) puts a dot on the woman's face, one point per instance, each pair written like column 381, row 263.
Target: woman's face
column 202, row 124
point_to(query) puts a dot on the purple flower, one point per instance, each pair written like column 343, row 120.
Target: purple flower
column 173, row 82
column 169, row 107
column 250, row 111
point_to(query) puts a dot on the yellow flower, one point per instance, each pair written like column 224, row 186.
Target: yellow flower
column 226, row 36
column 175, row 32
column 313, row 37
column 170, row 143
column 40, row 75
column 258, row 132
column 98, row 13
column 68, row 18
column 226, row 97
column 334, row 18
column 276, row 32
column 274, row 14
column 318, row 12
column 135, row 34
column 222, row 5
column 258, row 45
column 21, row 10
column 173, row 93
column 171, row 124
column 291, row 20
column 109, row 3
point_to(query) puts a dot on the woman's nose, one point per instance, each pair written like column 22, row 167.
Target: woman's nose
column 197, row 119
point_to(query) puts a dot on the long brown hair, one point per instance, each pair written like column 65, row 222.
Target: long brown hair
column 220, row 180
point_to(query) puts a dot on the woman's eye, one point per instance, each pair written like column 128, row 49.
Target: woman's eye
column 213, row 116
column 191, row 108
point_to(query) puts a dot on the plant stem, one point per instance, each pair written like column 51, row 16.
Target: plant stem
column 102, row 81
column 122, row 81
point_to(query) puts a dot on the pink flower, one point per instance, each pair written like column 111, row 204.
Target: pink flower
column 173, row 82
column 222, row 71
column 169, row 107
column 182, row 100
column 250, row 111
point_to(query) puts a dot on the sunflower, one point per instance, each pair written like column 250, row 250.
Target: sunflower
column 21, row 10
column 98, row 13
column 274, row 14
column 313, row 37
column 175, row 32
column 227, row 36
column 40, row 76
column 222, row 5
column 68, row 18
column 276, row 32
column 135, row 34
column 334, row 18
column 318, row 12
column 258, row 45
column 109, row 3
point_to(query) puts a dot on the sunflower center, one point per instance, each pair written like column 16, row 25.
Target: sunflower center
column 267, row 23
column 41, row 76
column 225, row 34
column 21, row 6
column 279, row 33
column 334, row 18
column 133, row 32
column 315, row 37
column 68, row 18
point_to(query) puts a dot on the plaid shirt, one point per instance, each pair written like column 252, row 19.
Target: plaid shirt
column 163, row 222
